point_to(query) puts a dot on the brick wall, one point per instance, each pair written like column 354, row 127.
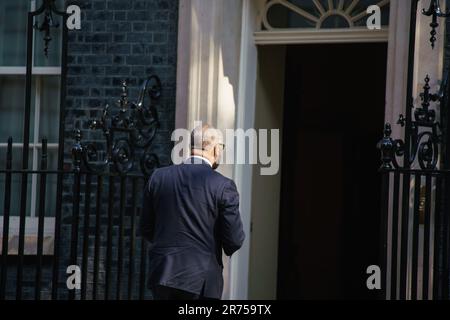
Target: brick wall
column 118, row 40
column 122, row 39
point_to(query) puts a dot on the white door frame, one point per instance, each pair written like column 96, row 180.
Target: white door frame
column 201, row 86
column 397, row 38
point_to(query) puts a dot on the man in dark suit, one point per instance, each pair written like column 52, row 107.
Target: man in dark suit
column 191, row 213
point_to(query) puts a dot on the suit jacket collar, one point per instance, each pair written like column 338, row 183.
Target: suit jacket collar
column 198, row 160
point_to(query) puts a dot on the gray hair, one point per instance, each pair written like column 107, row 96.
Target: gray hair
column 205, row 137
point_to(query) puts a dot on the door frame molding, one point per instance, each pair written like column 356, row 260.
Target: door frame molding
column 192, row 77
column 396, row 36
column 313, row 36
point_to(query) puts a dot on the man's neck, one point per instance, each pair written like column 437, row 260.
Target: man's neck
column 200, row 158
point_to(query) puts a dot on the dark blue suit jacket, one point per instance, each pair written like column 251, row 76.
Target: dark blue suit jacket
column 190, row 213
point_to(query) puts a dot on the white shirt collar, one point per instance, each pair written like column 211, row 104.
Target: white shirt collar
column 188, row 160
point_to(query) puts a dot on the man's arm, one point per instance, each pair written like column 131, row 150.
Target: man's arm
column 147, row 214
column 231, row 229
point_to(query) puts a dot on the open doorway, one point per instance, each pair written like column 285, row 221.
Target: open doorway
column 329, row 215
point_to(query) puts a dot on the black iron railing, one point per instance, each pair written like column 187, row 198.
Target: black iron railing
column 416, row 180
column 97, row 201
column 101, row 222
column 419, row 229
column 48, row 10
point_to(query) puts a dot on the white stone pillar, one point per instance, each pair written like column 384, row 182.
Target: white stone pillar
column 209, row 45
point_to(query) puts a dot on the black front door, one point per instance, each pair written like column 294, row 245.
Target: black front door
column 329, row 227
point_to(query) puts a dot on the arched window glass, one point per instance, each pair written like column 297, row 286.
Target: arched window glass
column 321, row 14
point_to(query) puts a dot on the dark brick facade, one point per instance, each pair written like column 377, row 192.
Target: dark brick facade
column 122, row 39
column 118, row 40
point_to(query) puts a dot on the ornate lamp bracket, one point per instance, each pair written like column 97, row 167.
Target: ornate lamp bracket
column 424, row 132
column 48, row 7
column 129, row 130
column 435, row 12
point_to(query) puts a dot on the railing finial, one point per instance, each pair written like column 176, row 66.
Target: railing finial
column 77, row 150
column 435, row 12
column 387, row 146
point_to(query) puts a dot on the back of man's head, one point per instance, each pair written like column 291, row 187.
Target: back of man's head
column 207, row 142
column 205, row 137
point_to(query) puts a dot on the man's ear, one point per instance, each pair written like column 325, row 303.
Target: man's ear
column 216, row 151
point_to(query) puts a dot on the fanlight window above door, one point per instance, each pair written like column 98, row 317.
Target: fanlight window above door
column 320, row 14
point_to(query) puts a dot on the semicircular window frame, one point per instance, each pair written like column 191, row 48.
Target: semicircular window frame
column 315, row 13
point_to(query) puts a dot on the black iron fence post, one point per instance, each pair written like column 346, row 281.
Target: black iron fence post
column 415, row 236
column 384, row 232
column 61, row 132
column 109, row 236
column 98, row 229
column 77, row 154
column 6, row 217
column 42, row 198
column 25, row 155
column 86, row 233
column 132, row 239
column 120, row 254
